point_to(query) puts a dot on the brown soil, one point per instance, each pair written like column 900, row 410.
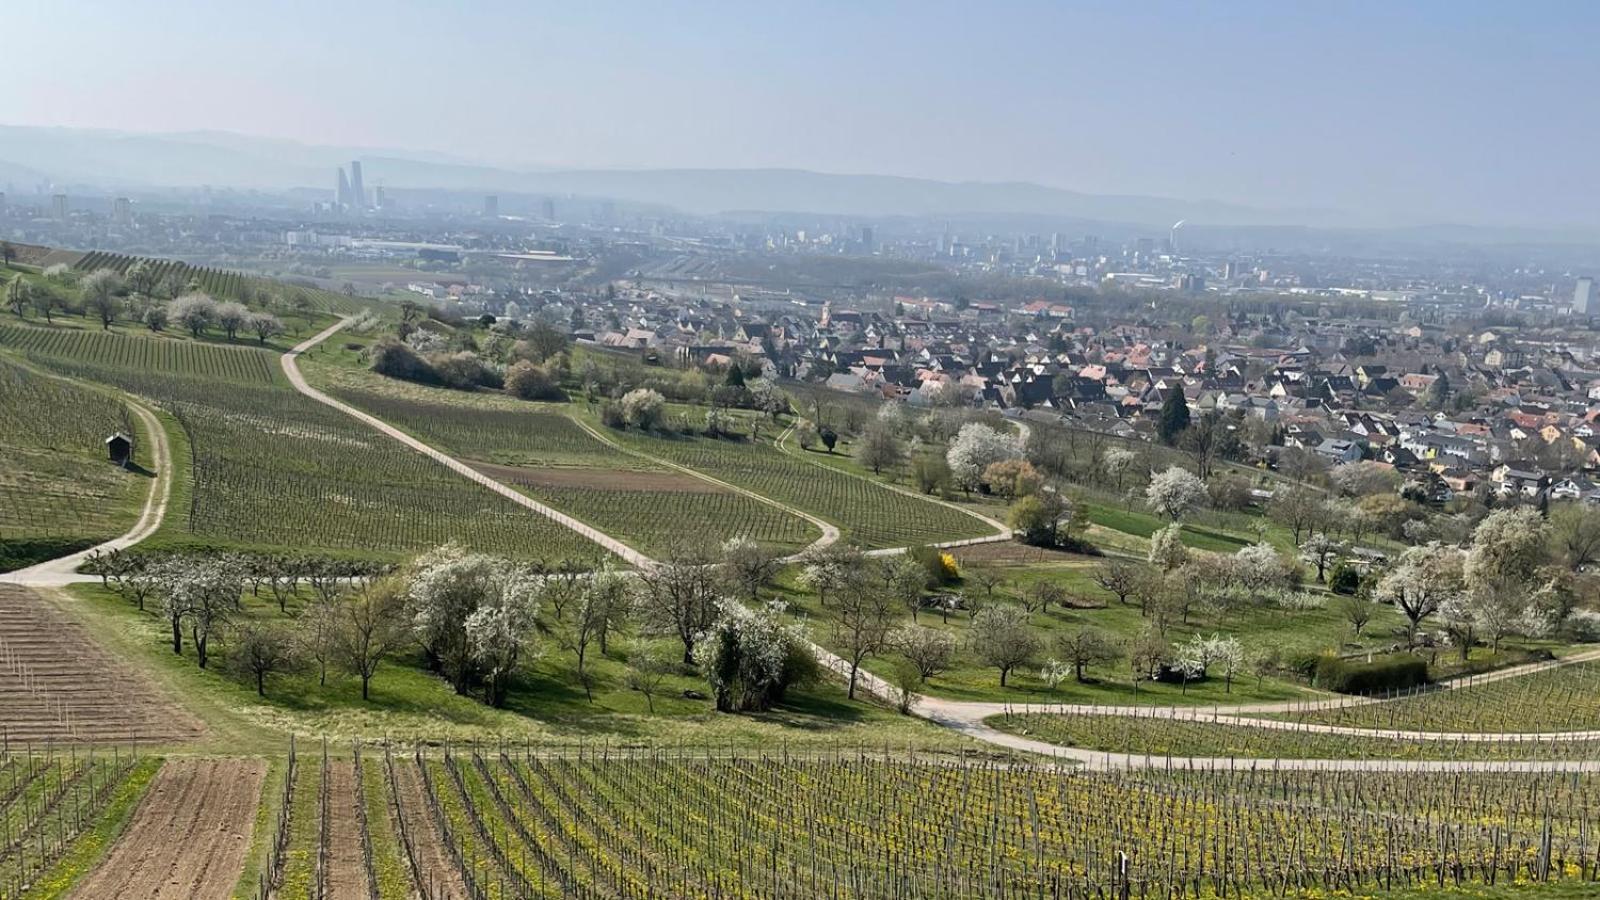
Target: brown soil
column 1011, row 552
column 604, row 479
column 438, row 870
column 189, row 836
column 347, row 868
column 57, row 684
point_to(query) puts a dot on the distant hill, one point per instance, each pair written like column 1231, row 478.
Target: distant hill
column 120, row 160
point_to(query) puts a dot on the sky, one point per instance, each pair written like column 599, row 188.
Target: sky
column 1459, row 111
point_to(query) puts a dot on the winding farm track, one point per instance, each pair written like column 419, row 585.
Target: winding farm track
column 1002, row 531
column 830, row 533
column 64, row 570
column 292, row 370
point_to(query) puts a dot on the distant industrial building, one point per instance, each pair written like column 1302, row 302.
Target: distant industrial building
column 1583, row 297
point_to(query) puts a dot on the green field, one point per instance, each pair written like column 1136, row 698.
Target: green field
column 1161, row 736
column 1566, row 698
column 58, row 492
column 695, row 822
column 264, row 467
column 648, row 506
column 869, row 514
column 142, row 352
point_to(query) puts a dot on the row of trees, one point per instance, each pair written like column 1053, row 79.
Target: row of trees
column 111, row 298
column 475, row 619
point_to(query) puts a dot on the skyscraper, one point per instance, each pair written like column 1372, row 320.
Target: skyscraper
column 122, row 211
column 378, row 200
column 491, row 206
column 358, row 193
column 342, row 198
column 548, row 208
column 1583, row 299
column 58, row 206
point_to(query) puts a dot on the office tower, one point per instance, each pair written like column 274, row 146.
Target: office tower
column 342, row 197
column 58, row 206
column 378, row 200
column 1583, row 298
column 491, row 206
column 122, row 211
column 866, row 237
column 358, row 192
column 548, row 208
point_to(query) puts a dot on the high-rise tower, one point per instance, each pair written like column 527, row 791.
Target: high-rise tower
column 358, row 192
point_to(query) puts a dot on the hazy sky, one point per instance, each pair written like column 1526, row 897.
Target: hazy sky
column 1458, row 110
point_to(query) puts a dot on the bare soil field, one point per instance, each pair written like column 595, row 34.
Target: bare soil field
column 438, row 870
column 608, row 479
column 58, row 685
column 1011, row 552
column 188, row 837
column 347, row 872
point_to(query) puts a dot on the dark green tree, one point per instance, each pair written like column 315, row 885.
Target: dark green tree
column 1174, row 417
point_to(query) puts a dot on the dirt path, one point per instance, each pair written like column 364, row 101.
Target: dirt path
column 188, row 837
column 347, row 869
column 1002, row 531
column 292, row 370
column 830, row 533
column 64, row 570
column 437, row 869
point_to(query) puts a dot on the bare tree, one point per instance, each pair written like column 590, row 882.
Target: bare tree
column 864, row 613
column 1087, row 647
column 1119, row 578
column 261, row 649
column 1001, row 638
column 371, row 627
column 680, row 593
column 929, row 650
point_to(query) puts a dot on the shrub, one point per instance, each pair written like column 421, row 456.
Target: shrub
column 396, row 360
column 527, row 381
column 940, row 566
column 464, row 371
column 1394, row 673
column 611, row 415
column 1344, row 579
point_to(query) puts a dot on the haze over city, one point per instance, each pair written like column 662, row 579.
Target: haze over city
column 1377, row 113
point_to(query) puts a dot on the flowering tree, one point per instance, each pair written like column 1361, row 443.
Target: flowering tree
column 643, row 408
column 1175, row 492
column 751, row 658
column 1166, row 548
column 977, row 447
column 1424, row 579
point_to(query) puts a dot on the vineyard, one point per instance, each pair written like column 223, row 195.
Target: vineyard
column 1562, row 698
column 517, row 437
column 57, row 492
column 270, row 468
column 141, row 353
column 507, row 822
column 546, row 455
column 48, row 799
column 1160, row 734
column 870, row 515
column 222, row 283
